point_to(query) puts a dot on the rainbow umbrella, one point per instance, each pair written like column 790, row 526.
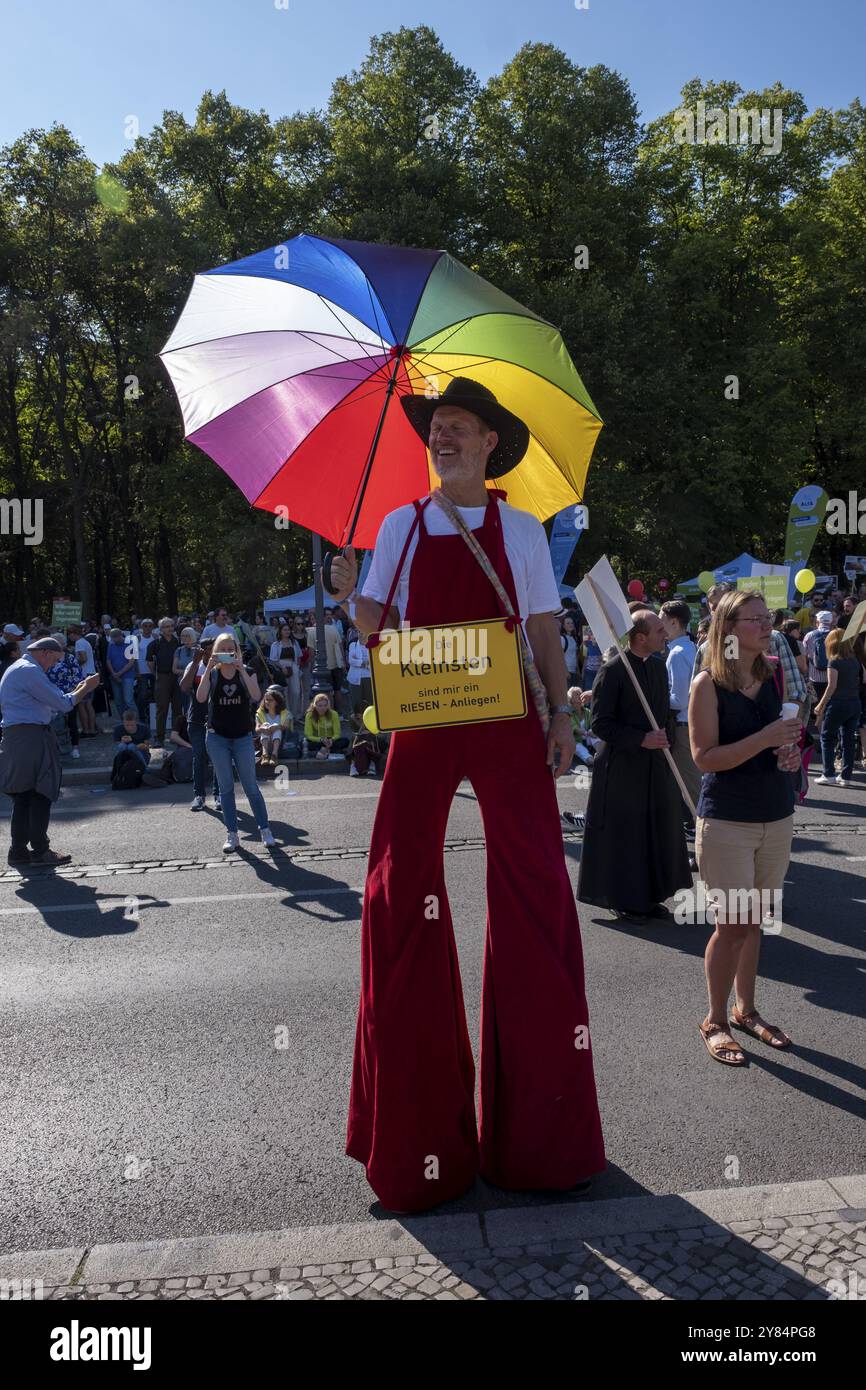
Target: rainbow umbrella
column 287, row 365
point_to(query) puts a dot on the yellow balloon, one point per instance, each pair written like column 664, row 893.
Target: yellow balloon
column 369, row 718
column 706, row 580
column 804, row 580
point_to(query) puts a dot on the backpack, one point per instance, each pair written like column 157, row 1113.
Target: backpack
column 126, row 772
column 819, row 652
column 179, row 765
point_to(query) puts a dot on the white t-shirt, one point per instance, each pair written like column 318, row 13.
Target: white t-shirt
column 526, row 547
column 143, row 644
column 359, row 662
column 88, row 667
column 214, row 630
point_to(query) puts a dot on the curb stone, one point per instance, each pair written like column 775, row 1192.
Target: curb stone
column 787, row 1242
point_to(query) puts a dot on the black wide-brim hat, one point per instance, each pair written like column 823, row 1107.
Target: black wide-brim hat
column 470, row 395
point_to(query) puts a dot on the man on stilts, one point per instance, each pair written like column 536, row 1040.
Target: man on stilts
column 412, row 1116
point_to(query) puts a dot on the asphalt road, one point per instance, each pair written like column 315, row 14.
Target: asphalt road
column 143, row 1094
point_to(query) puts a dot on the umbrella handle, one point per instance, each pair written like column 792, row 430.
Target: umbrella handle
column 326, row 572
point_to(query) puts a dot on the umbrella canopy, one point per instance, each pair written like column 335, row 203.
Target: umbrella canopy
column 288, row 365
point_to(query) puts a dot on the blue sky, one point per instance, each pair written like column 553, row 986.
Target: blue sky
column 90, row 64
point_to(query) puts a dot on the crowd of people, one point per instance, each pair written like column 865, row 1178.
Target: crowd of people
column 149, row 678
column 223, row 698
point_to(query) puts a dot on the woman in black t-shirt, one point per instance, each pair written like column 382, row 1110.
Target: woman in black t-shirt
column 840, row 706
column 745, row 744
column 231, row 693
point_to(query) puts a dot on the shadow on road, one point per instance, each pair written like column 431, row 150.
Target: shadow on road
column 664, row 1244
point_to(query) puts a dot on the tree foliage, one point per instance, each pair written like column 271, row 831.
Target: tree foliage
column 708, row 263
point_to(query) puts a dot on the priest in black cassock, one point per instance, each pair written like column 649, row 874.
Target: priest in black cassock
column 634, row 847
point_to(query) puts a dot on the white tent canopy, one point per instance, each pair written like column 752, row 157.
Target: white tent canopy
column 305, row 598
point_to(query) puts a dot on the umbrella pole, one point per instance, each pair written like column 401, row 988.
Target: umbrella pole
column 368, row 468
column 321, row 682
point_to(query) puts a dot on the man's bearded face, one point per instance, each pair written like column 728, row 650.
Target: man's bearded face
column 460, row 444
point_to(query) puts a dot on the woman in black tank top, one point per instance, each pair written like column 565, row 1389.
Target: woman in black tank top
column 747, row 752
column 231, row 692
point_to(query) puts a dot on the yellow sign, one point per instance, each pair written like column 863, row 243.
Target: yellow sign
column 467, row 673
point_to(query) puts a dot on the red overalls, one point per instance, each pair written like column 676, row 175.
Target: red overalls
column 412, row 1106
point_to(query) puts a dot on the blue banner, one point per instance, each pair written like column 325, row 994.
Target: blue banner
column 567, row 527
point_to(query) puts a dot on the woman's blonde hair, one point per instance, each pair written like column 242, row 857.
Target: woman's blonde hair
column 313, row 712
column 835, row 645
column 722, row 667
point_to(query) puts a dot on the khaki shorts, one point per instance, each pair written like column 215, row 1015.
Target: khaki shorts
column 735, row 854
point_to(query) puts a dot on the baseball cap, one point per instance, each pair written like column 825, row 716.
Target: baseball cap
column 13, row 630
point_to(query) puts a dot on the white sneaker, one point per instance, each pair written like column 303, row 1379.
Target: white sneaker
column 267, row 835
column 231, row 841
column 76, row 752
column 197, row 803
column 371, row 771
column 840, row 781
column 823, row 781
column 353, row 771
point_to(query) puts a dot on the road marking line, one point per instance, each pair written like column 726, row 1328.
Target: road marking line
column 111, row 904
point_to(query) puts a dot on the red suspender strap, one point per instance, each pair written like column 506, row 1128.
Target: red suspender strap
column 373, row 639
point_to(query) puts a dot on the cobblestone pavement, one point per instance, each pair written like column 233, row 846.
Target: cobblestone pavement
column 795, row 1258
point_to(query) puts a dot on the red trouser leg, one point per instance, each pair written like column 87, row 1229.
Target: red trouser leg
column 539, row 1120
column 412, row 1107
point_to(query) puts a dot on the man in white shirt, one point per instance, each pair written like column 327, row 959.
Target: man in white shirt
column 220, row 624
column 413, row 1085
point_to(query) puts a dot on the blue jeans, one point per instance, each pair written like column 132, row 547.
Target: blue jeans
column 123, row 691
column 222, row 753
column 840, row 716
column 196, row 733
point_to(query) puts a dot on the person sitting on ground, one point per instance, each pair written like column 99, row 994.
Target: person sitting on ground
column 273, row 723
column 322, row 729
column 366, row 755
column 133, row 736
column 131, row 764
column 584, row 742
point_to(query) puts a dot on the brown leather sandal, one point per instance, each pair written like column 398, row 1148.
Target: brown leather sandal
column 719, row 1032
column 765, row 1032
